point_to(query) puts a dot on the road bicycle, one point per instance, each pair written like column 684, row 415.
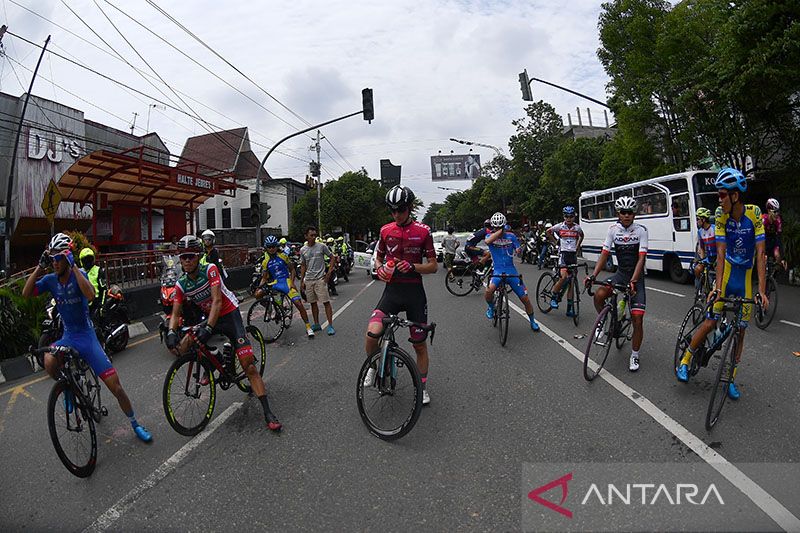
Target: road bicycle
column 612, row 326
column 73, row 408
column 725, row 337
column 500, row 305
column 462, row 281
column 764, row 316
column 544, row 288
column 389, row 387
column 707, row 279
column 189, row 392
column 272, row 313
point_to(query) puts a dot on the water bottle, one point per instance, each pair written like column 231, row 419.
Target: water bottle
column 388, row 269
column 621, row 307
column 716, row 338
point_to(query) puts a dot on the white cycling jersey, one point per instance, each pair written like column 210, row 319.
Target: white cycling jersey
column 568, row 236
column 628, row 243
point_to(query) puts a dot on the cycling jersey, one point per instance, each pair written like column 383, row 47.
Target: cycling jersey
column 502, row 250
column 277, row 265
column 628, row 243
column 568, row 236
column 740, row 237
column 411, row 243
column 477, row 237
column 772, row 227
column 198, row 291
column 708, row 242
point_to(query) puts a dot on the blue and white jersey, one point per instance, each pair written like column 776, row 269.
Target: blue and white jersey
column 502, row 251
column 71, row 303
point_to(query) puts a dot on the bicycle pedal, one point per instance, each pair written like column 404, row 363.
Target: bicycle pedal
column 104, row 411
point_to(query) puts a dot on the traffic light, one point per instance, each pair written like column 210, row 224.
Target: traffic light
column 255, row 210
column 367, row 107
column 525, row 86
column 264, row 213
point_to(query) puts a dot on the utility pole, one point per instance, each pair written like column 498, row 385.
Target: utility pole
column 133, row 124
column 10, row 182
column 319, row 190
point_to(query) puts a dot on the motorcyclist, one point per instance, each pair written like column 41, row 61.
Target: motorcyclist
column 210, row 253
column 97, row 277
column 331, row 244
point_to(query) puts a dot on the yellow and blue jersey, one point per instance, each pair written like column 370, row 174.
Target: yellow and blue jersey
column 277, row 265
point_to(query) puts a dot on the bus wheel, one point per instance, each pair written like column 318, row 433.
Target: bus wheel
column 677, row 273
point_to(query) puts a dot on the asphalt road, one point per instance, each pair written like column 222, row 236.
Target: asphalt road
column 495, row 412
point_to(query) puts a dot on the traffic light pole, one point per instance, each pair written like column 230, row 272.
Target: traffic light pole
column 524, row 78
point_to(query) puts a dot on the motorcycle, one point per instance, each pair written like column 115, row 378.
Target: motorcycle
column 111, row 322
column 530, row 253
column 342, row 267
column 52, row 328
column 169, row 277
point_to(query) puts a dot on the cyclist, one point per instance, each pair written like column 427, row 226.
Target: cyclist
column 629, row 242
column 570, row 237
column 706, row 244
column 211, row 254
column 201, row 285
column 72, row 292
column 773, row 227
column 279, row 270
column 739, row 231
column 472, row 250
column 502, row 244
column 405, row 242
column 97, row 277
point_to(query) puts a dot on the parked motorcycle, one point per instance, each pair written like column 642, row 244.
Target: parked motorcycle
column 342, row 267
column 169, row 277
column 111, row 322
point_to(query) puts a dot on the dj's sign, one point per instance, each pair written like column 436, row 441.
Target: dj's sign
column 52, row 147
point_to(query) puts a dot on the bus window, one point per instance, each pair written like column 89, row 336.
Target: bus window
column 680, row 212
column 623, row 192
column 676, row 185
column 651, row 200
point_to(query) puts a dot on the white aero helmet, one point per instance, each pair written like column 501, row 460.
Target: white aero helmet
column 208, row 235
column 625, row 203
column 498, row 220
column 59, row 243
column 773, row 204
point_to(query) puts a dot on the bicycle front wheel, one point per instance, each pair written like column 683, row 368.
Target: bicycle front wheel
column 624, row 328
column 690, row 322
column 73, row 433
column 460, row 284
column 268, row 317
column 390, row 404
column 544, row 291
column 503, row 317
column 600, row 339
column 725, row 366
column 256, row 339
column 188, row 403
column 764, row 318
column 576, row 305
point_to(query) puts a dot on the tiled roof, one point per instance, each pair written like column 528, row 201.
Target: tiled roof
column 218, row 150
column 247, row 166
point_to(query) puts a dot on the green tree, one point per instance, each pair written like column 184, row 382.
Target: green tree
column 573, row 168
column 304, row 214
column 354, row 202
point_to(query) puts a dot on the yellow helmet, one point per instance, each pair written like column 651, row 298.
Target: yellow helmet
column 703, row 212
column 86, row 252
column 282, row 241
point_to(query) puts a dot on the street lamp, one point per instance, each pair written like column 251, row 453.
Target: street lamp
column 497, row 150
column 527, row 94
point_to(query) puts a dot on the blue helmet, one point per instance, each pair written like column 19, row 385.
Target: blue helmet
column 730, row 179
column 568, row 210
column 270, row 240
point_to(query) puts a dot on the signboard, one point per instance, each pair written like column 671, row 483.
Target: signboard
column 455, row 167
column 193, row 182
column 51, row 201
column 390, row 174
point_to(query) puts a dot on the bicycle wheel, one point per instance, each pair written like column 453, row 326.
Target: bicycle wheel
column 188, row 404
column 504, row 316
column 288, row 311
column 764, row 318
column 596, row 353
column 90, row 387
column 724, row 376
column 576, row 304
column 544, row 291
column 496, row 306
column 268, row 317
column 391, row 404
column 256, row 339
column 690, row 322
column 624, row 328
column 73, row 434
column 460, row 284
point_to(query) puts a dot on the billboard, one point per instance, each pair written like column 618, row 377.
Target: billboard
column 390, row 174
column 455, row 167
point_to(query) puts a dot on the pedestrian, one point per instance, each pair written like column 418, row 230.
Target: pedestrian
column 315, row 277
column 450, row 244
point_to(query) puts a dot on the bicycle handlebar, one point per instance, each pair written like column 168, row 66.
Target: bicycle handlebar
column 50, row 349
column 396, row 321
column 616, row 286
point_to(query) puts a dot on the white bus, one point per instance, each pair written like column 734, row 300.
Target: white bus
column 665, row 206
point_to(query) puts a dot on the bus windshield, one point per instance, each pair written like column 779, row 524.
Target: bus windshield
column 705, row 192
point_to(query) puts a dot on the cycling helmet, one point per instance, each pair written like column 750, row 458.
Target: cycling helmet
column 731, row 180
column 399, row 197
column 541, row 223
column 282, row 241
column 208, row 235
column 487, row 223
column 270, row 240
column 625, row 203
column 568, row 211
column 60, row 242
column 188, row 244
column 773, row 204
column 548, row 225
column 703, row 212
column 498, row 220
column 86, row 252
column 329, row 240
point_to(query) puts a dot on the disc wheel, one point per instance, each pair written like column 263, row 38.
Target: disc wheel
column 764, row 318
column 189, row 405
column 390, row 404
column 544, row 291
column 256, row 339
column 73, row 433
column 690, row 322
column 724, row 376
column 460, row 284
column 596, row 353
column 268, row 317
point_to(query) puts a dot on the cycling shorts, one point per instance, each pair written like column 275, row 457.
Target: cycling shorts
column 89, row 349
column 474, row 253
column 772, row 242
column 408, row 297
column 567, row 258
column 736, row 281
column 232, row 327
column 516, row 284
column 282, row 286
column 638, row 300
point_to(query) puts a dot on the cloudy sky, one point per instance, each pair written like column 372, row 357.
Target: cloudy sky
column 438, row 68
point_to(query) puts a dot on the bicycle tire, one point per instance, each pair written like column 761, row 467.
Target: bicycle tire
column 504, row 317
column 624, row 328
column 764, row 319
column 495, row 307
column 605, row 321
column 544, row 291
column 264, row 313
column 187, row 380
column 367, row 397
column 460, row 285
column 288, row 311
column 74, row 423
column 719, row 392
column 91, row 390
column 692, row 319
column 256, row 339
column 576, row 304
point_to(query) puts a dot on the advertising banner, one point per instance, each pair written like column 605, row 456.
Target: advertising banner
column 455, row 167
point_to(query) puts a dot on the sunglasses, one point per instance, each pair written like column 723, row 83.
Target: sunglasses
column 186, row 257
column 398, row 209
column 722, row 194
column 626, row 212
column 56, row 258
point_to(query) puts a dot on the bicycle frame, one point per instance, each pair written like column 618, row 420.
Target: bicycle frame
column 203, row 351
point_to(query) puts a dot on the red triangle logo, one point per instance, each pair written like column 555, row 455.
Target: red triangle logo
column 562, row 482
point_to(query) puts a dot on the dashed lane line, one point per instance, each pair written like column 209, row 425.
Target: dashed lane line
column 765, row 501
column 667, row 292
column 795, row 324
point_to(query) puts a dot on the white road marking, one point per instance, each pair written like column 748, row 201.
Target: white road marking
column 107, row 519
column 345, row 306
column 765, row 501
column 795, row 324
column 666, row 292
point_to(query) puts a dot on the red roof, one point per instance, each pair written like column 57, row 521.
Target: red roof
column 219, row 149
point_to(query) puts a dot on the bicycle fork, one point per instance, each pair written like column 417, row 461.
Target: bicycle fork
column 387, row 372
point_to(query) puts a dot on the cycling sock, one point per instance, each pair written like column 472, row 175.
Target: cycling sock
column 570, row 303
column 735, row 368
column 687, row 356
column 132, row 418
column 264, row 404
column 424, row 380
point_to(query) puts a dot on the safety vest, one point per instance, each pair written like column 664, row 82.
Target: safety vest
column 94, row 279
